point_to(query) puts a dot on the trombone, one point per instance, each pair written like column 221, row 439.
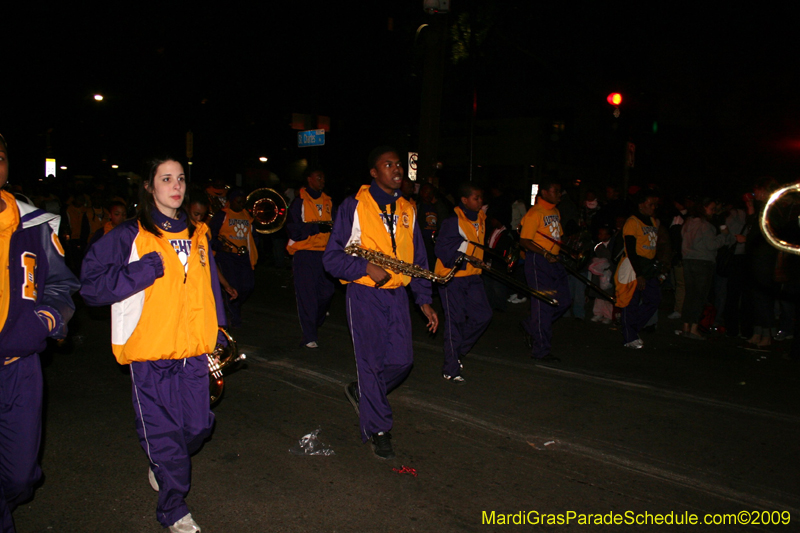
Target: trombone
column 766, row 228
column 544, row 296
column 572, row 270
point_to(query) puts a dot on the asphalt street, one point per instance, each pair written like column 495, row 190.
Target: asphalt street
column 678, row 428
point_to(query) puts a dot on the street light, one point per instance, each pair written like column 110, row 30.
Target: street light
column 98, row 97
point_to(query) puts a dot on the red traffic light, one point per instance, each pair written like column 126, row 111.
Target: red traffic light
column 614, row 98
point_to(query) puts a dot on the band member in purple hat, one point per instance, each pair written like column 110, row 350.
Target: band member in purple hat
column 159, row 274
column 379, row 219
column 35, row 303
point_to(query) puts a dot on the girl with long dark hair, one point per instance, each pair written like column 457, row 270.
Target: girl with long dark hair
column 160, row 277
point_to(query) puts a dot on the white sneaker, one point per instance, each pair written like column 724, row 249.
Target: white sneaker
column 152, row 478
column 674, row 315
column 606, row 321
column 185, row 525
column 635, row 344
column 312, row 344
column 512, row 298
column 597, row 318
column 456, row 379
column 519, row 300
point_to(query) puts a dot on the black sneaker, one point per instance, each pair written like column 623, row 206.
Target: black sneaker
column 526, row 336
column 454, row 379
column 547, row 359
column 382, row 445
column 351, row 391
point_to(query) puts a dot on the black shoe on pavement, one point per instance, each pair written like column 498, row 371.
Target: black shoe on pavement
column 526, row 336
column 382, row 445
column 351, row 391
column 549, row 358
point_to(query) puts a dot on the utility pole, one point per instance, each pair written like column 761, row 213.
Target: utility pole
column 433, row 37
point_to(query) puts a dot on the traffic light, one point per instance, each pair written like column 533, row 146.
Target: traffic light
column 614, row 99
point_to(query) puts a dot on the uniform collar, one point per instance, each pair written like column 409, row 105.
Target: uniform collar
column 312, row 193
column 544, row 203
column 646, row 220
column 469, row 213
column 166, row 223
column 380, row 196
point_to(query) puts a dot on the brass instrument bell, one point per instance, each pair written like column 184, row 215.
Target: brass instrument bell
column 766, row 228
column 268, row 209
column 222, row 357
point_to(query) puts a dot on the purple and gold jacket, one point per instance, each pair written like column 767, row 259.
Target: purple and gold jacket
column 41, row 286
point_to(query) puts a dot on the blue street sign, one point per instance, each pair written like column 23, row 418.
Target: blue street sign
column 310, row 138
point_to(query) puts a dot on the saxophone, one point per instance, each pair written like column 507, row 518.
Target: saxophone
column 398, row 266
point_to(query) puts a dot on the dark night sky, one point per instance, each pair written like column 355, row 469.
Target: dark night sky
column 721, row 83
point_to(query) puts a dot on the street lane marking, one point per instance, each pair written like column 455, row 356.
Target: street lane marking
column 606, row 380
column 757, row 499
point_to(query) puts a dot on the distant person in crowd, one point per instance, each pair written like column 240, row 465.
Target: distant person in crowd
column 95, row 217
column 236, row 253
column 407, row 190
column 611, row 207
column 36, row 290
column 539, row 237
column 519, row 207
column 677, row 216
column 217, row 192
column 116, row 215
column 730, row 265
column 198, row 212
column 77, row 206
column 761, row 260
column 161, row 280
column 309, row 228
column 379, row 219
column 637, row 285
column 588, row 211
column 431, row 213
column 700, row 243
column 467, row 312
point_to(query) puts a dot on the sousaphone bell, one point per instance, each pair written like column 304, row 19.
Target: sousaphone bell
column 766, row 227
column 268, row 209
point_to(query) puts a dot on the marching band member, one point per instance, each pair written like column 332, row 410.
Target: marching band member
column 307, row 240
column 235, row 225
column 543, row 272
column 466, row 307
column 636, row 278
column 198, row 212
column 161, row 278
column 377, row 302
column 35, row 303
